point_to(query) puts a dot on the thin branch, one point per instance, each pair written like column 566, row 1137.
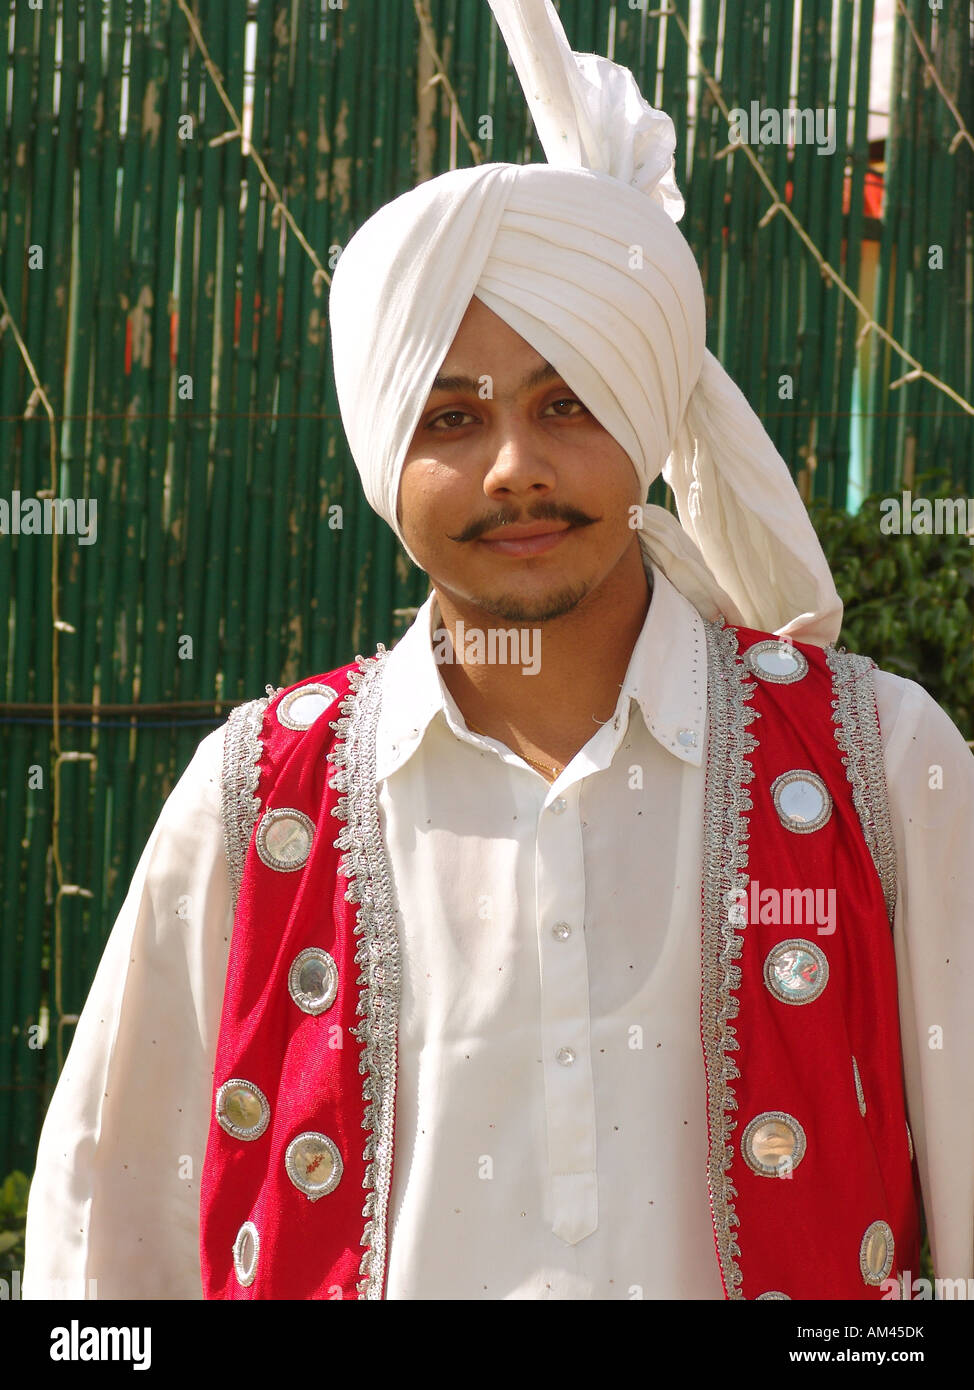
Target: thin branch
column 778, row 204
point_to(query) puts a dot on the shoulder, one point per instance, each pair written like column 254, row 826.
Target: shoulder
column 929, row 768
column 909, row 716
column 266, row 731
column 296, row 705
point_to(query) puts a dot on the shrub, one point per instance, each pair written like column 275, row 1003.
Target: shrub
column 909, row 599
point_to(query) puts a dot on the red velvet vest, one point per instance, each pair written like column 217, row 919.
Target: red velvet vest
column 813, row 1187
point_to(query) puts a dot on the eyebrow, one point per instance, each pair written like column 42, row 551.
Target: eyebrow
column 546, row 372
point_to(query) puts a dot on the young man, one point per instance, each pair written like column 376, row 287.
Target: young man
column 589, row 943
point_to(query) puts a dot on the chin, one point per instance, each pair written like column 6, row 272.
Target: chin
column 531, row 608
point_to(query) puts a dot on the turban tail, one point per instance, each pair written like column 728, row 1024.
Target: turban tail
column 582, row 257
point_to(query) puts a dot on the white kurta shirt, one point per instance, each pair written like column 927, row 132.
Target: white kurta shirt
column 550, row 1137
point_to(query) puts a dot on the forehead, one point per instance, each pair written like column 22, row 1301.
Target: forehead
column 482, row 332
column 484, row 345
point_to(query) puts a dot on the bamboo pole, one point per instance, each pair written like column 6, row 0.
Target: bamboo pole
column 359, row 562
column 918, row 274
column 19, row 576
column 98, row 198
column 377, row 617
column 245, row 672
column 410, row 584
column 835, row 423
column 227, row 51
column 60, row 670
column 775, row 245
column 859, row 157
column 288, row 507
column 806, row 283
column 899, row 402
column 352, row 134
column 877, row 424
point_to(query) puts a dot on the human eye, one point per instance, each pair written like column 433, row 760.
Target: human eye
column 569, row 401
column 456, row 416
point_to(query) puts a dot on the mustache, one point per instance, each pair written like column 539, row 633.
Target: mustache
column 543, row 511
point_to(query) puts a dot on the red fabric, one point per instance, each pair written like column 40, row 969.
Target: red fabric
column 308, row 1249
column 801, row 1235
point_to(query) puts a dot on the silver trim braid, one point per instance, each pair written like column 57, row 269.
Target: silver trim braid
column 860, row 741
column 241, row 775
column 724, row 878
column 364, row 863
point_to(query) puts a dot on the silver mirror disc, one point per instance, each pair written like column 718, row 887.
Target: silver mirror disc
column 313, row 980
column 284, row 838
column 777, row 661
column 796, row 971
column 242, row 1109
column 876, row 1253
column 313, row 1164
column 773, row 1144
column 246, row 1248
column 300, row 708
column 802, row 801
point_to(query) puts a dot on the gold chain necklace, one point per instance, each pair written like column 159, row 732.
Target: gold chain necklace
column 541, row 767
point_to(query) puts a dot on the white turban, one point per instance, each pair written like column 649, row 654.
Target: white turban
column 583, row 258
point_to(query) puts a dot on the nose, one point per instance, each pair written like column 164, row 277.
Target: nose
column 522, row 464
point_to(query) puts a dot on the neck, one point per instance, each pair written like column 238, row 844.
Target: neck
column 579, row 662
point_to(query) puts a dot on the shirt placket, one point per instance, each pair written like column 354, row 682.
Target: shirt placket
column 565, row 1017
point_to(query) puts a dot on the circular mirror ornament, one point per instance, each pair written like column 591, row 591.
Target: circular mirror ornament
column 284, row 839
column 773, row 1144
column 300, row 708
column 242, row 1109
column 802, row 801
column 796, row 971
column 313, row 1164
column 313, row 980
column 773, row 1294
column 876, row 1253
column 777, row 661
column 246, row 1249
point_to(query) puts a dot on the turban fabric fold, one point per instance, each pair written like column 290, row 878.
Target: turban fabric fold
column 582, row 257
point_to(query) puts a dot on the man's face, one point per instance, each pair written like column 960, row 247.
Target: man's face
column 483, row 477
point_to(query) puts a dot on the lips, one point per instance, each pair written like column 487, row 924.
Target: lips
column 527, row 530
column 531, row 539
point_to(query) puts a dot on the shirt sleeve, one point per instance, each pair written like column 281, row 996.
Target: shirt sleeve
column 113, row 1210
column 930, row 777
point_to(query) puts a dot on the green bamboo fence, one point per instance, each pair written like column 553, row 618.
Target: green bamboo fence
column 180, row 332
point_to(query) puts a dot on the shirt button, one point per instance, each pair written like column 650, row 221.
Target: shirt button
column 561, row 931
column 688, row 738
column 558, row 805
column 565, row 1055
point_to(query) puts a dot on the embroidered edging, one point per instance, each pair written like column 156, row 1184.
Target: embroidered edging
column 860, row 742
column 241, row 776
column 724, row 880
column 364, row 863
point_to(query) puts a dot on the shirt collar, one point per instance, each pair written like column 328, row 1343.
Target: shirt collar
column 667, row 677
